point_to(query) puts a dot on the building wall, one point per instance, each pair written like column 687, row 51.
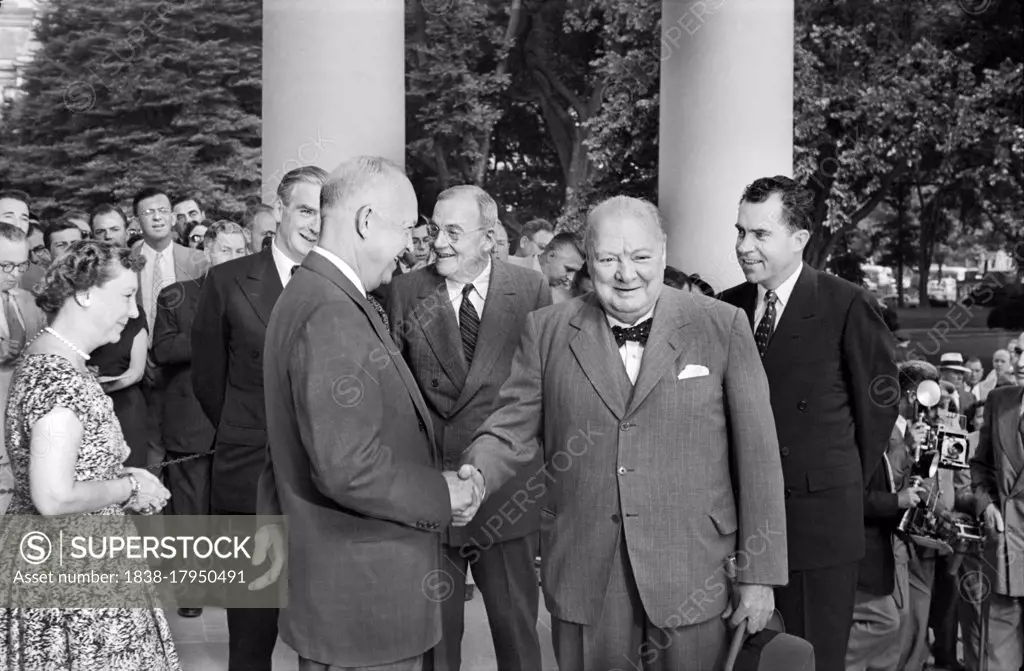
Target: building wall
column 16, row 43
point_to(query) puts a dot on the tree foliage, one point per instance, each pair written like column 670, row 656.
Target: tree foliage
column 550, row 105
column 132, row 92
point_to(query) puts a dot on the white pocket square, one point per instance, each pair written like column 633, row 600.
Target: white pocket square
column 693, row 370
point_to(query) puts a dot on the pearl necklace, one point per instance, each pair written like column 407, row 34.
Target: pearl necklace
column 74, row 348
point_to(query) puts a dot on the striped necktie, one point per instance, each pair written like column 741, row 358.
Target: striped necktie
column 15, row 329
column 469, row 324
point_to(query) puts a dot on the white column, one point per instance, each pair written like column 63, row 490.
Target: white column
column 333, row 84
column 726, row 119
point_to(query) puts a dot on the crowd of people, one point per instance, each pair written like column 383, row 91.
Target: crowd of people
column 432, row 397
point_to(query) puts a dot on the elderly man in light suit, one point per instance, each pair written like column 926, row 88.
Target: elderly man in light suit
column 457, row 322
column 661, row 458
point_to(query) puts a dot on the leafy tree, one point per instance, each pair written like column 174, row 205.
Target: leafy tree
column 132, row 92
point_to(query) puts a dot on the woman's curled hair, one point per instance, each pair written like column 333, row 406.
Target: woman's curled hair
column 87, row 264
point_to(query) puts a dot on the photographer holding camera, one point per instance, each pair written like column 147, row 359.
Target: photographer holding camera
column 882, row 577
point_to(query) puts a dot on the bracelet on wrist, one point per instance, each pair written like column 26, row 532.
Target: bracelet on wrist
column 135, row 489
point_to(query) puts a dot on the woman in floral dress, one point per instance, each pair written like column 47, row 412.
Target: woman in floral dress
column 67, row 454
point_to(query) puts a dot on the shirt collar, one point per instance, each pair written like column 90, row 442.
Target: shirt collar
column 149, row 253
column 901, row 424
column 481, row 284
column 281, row 261
column 343, row 266
column 784, row 290
column 612, row 321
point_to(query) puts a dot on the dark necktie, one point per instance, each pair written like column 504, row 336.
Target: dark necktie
column 469, row 324
column 375, row 304
column 638, row 333
column 15, row 329
column 767, row 324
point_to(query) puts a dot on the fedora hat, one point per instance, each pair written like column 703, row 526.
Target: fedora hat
column 770, row 649
column 953, row 361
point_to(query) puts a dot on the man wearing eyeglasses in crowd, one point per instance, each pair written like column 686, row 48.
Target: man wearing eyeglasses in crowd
column 20, row 321
column 420, row 253
column 457, row 324
column 167, row 262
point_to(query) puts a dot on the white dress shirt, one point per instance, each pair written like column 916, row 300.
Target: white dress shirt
column 341, row 265
column 782, row 294
column 157, row 274
column 283, row 264
column 478, row 296
column 632, row 352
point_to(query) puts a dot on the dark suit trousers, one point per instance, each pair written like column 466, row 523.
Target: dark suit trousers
column 252, row 632
column 507, row 579
column 817, row 605
column 189, row 484
column 624, row 639
column 942, row 616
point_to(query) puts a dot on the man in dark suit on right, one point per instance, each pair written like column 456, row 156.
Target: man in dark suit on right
column 227, row 377
column 824, row 348
column 456, row 323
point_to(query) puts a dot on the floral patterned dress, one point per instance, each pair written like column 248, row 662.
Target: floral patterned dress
column 74, row 639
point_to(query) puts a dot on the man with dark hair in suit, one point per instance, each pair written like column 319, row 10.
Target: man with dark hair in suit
column 825, row 349
column 456, row 323
column 186, row 430
column 352, row 459
column 227, row 377
column 167, row 262
column 661, row 459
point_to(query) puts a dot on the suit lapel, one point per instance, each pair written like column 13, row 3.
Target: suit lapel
column 748, row 302
column 664, row 346
column 322, row 266
column 188, row 263
column 441, row 328
column 1010, row 441
column 799, row 322
column 262, row 286
column 495, row 336
column 594, row 349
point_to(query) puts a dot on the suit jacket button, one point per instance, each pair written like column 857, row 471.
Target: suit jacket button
column 434, row 382
column 784, row 451
column 625, row 426
column 615, row 518
column 801, row 406
column 255, row 354
column 788, row 492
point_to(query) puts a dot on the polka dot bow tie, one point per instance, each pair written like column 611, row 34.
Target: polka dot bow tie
column 637, row 333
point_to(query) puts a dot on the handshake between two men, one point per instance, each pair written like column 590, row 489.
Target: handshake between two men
column 467, row 490
column 465, row 486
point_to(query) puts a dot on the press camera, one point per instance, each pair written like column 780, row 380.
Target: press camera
column 945, row 446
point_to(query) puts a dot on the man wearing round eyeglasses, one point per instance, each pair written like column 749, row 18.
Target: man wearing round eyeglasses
column 20, row 321
column 457, row 324
column 167, row 262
